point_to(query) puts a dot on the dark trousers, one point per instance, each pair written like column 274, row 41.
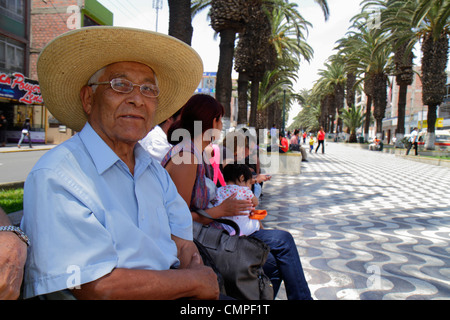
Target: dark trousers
column 283, row 264
column 410, row 146
column 321, row 142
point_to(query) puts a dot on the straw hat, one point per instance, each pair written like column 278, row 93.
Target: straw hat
column 67, row 62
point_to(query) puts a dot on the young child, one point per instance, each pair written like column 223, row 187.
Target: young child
column 239, row 179
column 311, row 143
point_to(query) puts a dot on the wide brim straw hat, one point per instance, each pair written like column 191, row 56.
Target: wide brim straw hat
column 67, row 63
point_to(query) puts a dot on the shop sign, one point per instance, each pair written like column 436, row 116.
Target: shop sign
column 424, row 124
column 17, row 87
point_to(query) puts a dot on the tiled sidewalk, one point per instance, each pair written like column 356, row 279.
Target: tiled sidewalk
column 368, row 225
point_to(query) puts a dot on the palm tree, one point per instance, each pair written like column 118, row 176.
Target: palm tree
column 397, row 24
column 325, row 95
column 308, row 117
column 427, row 21
column 431, row 23
column 353, row 118
column 227, row 19
column 350, row 49
column 230, row 17
column 288, row 41
column 334, row 77
column 374, row 60
column 252, row 58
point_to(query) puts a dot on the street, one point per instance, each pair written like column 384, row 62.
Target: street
column 368, row 225
column 15, row 166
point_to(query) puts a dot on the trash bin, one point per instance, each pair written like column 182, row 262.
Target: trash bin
column 361, row 139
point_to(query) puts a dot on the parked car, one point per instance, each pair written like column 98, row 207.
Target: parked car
column 442, row 139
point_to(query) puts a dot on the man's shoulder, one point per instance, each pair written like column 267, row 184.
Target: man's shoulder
column 62, row 154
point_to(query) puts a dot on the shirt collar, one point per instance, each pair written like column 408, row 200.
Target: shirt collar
column 104, row 157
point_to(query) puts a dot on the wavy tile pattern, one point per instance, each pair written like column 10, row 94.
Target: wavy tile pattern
column 368, row 225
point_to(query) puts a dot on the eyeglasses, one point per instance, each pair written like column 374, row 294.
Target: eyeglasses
column 125, row 86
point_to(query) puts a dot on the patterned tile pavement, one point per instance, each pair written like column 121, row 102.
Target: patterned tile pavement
column 367, row 225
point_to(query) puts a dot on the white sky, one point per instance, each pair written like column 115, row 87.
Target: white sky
column 322, row 36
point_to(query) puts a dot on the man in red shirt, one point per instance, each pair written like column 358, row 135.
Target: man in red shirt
column 284, row 144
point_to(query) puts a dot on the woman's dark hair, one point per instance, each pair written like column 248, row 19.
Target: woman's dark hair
column 233, row 171
column 200, row 107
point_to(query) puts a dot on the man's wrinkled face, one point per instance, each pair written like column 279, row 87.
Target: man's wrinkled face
column 121, row 117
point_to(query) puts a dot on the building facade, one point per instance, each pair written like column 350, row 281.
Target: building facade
column 208, row 86
column 26, row 26
column 415, row 110
column 20, row 96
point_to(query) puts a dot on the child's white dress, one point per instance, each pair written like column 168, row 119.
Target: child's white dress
column 246, row 225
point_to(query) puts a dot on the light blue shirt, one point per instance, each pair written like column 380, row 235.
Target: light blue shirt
column 86, row 214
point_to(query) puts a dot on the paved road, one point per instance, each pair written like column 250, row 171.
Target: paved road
column 16, row 164
column 368, row 225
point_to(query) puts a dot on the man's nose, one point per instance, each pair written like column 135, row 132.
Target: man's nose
column 136, row 97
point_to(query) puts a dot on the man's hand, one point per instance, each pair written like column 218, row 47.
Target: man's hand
column 190, row 260
column 13, row 253
column 208, row 287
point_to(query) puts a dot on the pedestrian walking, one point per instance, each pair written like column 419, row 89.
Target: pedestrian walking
column 25, row 133
column 311, row 143
column 321, row 140
column 413, row 142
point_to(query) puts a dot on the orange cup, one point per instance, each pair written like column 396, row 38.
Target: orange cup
column 258, row 214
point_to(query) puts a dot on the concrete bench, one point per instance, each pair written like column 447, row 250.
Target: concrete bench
column 274, row 162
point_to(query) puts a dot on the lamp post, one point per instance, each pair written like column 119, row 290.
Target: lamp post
column 157, row 4
column 285, row 87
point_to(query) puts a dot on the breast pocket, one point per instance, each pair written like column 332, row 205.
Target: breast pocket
column 157, row 224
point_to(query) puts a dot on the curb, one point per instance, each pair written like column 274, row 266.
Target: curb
column 12, row 185
column 35, row 148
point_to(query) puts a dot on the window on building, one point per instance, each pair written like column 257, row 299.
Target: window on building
column 12, row 55
column 35, row 113
column 88, row 21
column 13, row 9
column 447, row 93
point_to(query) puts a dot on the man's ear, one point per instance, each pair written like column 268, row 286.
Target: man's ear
column 87, row 97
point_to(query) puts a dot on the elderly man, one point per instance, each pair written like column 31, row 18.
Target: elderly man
column 105, row 219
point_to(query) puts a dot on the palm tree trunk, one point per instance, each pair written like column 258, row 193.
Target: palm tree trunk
column 431, row 135
column 242, row 98
column 403, row 90
column 254, row 102
column 434, row 64
column 180, row 23
column 379, row 101
column 350, row 87
column 224, row 70
column 368, row 117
